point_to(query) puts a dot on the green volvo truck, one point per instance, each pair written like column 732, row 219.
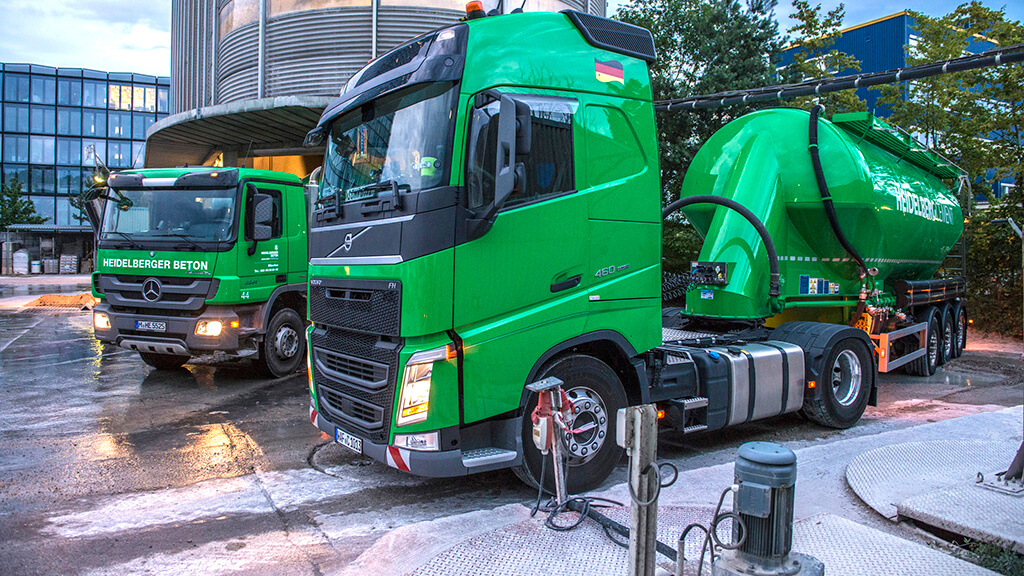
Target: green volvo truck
column 490, row 214
column 193, row 261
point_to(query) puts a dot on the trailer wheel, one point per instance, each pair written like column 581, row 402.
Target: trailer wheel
column 597, row 395
column 960, row 316
column 948, row 336
column 164, row 361
column 284, row 346
column 926, row 365
column 847, row 378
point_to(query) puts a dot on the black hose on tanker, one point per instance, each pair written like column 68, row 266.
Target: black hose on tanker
column 774, row 288
column 830, row 210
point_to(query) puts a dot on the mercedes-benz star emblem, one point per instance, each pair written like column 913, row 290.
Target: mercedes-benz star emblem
column 151, row 289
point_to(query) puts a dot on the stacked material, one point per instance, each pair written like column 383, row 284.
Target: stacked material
column 69, row 264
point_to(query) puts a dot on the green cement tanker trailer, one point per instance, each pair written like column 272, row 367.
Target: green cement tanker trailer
column 899, row 221
column 490, row 215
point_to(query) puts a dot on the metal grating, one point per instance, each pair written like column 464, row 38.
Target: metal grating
column 378, row 314
column 371, row 348
column 356, row 371
column 875, row 130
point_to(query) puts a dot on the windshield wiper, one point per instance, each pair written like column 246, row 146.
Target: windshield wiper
column 184, row 237
column 131, row 243
column 387, row 202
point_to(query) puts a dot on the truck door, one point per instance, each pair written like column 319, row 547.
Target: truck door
column 262, row 265
column 526, row 271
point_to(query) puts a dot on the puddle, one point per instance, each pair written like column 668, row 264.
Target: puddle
column 31, row 289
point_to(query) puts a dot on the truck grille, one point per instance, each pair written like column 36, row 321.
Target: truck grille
column 372, row 306
column 355, row 379
column 176, row 294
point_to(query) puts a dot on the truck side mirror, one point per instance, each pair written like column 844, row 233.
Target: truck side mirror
column 513, row 139
column 263, row 216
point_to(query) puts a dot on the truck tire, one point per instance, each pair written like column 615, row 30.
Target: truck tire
column 847, row 377
column 960, row 321
column 597, row 394
column 926, row 365
column 284, row 346
column 164, row 361
column 948, row 351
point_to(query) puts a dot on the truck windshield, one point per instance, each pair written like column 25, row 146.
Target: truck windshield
column 172, row 214
column 401, row 141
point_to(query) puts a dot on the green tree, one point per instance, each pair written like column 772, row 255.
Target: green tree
column 974, row 118
column 816, row 57
column 704, row 46
column 14, row 209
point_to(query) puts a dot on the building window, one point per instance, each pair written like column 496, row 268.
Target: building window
column 16, row 118
column 94, row 94
column 16, row 88
column 69, row 92
column 140, row 124
column 19, row 173
column 119, row 154
column 43, row 120
column 69, row 151
column 119, row 124
column 161, row 99
column 44, row 90
column 138, row 154
column 69, row 181
column 42, row 180
column 43, row 150
column 119, row 96
column 91, row 149
column 69, row 121
column 43, row 206
column 94, row 123
column 15, row 148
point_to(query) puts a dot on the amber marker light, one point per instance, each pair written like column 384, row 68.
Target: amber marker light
column 234, row 323
column 661, row 414
column 812, row 384
column 451, row 352
column 475, row 9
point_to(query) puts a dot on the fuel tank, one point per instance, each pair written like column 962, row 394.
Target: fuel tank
column 889, row 194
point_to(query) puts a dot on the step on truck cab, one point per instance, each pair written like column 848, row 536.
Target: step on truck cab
column 489, row 215
column 193, row 261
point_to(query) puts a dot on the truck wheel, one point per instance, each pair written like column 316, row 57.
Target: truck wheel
column 848, row 375
column 597, row 395
column 164, row 361
column 960, row 321
column 926, row 365
column 283, row 347
column 948, row 337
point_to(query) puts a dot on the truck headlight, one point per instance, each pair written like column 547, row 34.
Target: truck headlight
column 426, row 441
column 209, row 328
column 414, row 403
column 101, row 321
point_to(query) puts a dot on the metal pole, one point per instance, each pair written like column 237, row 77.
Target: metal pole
column 641, row 427
column 373, row 28
column 261, row 64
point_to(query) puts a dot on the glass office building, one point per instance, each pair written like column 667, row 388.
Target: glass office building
column 54, row 119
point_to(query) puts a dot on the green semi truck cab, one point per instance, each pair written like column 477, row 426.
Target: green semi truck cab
column 490, row 214
column 192, row 261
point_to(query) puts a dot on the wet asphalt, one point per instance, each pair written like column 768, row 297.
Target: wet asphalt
column 108, row 466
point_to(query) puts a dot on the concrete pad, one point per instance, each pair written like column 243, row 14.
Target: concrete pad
column 850, row 549
column 973, row 511
column 886, row 476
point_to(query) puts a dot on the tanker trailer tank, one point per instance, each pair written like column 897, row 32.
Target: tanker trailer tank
column 890, row 203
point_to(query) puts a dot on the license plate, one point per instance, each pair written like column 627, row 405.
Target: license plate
column 348, row 441
column 151, row 326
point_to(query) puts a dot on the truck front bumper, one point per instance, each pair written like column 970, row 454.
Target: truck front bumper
column 433, row 464
column 179, row 337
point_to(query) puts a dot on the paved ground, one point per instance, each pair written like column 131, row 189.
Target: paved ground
column 107, row 466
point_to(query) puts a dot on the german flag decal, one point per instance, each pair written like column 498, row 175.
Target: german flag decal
column 610, row 71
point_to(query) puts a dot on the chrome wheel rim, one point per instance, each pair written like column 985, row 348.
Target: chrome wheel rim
column 846, row 378
column 933, row 347
column 588, row 427
column 286, row 342
column 961, row 329
column 947, row 340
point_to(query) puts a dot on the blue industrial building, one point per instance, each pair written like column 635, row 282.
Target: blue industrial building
column 880, row 45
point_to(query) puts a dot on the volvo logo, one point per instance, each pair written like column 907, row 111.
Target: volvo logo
column 151, row 289
column 350, row 237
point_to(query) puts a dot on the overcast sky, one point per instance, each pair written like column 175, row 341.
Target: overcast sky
column 106, row 35
column 135, row 35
